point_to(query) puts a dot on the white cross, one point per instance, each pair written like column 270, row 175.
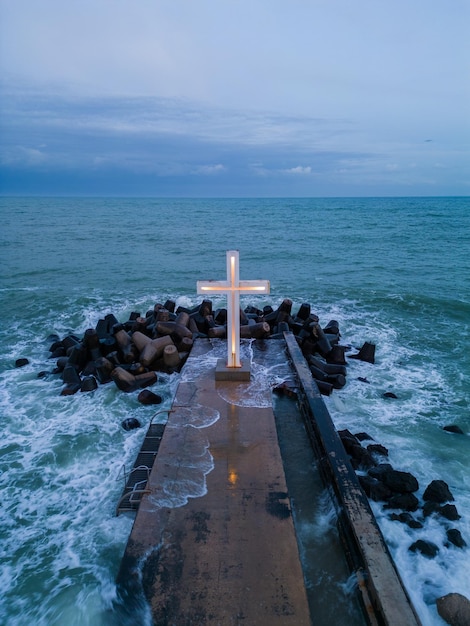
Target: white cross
column 233, row 287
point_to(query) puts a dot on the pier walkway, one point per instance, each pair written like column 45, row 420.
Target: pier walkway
column 228, row 554
column 213, row 541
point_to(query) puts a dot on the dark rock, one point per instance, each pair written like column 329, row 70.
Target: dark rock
column 453, row 428
column 89, row 369
column 438, row 491
column 123, row 379
column 455, row 537
column 400, row 482
column 405, row 501
column 454, row 608
column 413, row 523
column 148, row 397
column 336, row 355
column 56, row 345
column 70, row 376
column 449, row 511
column 58, row 352
column 380, row 492
column 376, row 448
column 70, row 390
column 374, row 489
column 363, row 436
column 407, row 519
column 89, row 384
column 380, row 470
column 70, row 341
column 361, row 455
column 429, row 508
column 21, row 362
column 348, row 439
column 366, row 483
column 130, row 423
column 427, row 548
column 390, row 394
column 366, row 353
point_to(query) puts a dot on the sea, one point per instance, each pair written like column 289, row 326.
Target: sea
column 394, row 272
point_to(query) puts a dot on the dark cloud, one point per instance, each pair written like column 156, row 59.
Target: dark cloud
column 166, row 146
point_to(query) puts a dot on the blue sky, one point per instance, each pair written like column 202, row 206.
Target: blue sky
column 235, row 98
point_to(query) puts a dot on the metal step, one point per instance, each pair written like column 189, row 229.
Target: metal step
column 136, row 479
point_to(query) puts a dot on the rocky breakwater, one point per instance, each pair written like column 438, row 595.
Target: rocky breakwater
column 397, row 491
column 320, row 344
column 129, row 353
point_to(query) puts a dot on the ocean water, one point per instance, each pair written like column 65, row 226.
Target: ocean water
column 394, row 272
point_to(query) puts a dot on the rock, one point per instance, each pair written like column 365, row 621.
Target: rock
column 405, row 501
column 70, row 376
column 374, row 489
column 455, row 537
column 363, row 436
column 89, row 384
column 380, row 492
column 366, row 353
column 148, row 397
column 21, row 362
column 390, row 394
column 454, row 608
column 407, row 519
column 130, row 423
column 123, row 379
column 58, row 352
column 145, row 379
column 358, row 454
column 348, row 439
column 70, row 389
column 427, row 548
column 336, row 355
column 361, row 456
column 429, row 508
column 376, row 448
column 453, row 428
column 171, row 357
column 379, row 471
column 367, row 482
column 449, row 511
column 437, row 491
column 400, row 482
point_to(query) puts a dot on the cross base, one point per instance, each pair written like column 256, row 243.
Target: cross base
column 222, row 372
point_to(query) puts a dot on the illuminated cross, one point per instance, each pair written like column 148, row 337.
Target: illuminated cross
column 233, row 287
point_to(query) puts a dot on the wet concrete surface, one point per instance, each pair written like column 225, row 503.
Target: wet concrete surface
column 213, row 541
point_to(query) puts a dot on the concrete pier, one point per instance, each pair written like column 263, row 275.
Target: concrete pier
column 214, row 540
column 227, row 553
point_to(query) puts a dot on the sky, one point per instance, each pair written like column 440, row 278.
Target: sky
column 235, row 98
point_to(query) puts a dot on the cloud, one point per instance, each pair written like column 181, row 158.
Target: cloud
column 169, row 91
column 22, row 156
column 210, row 170
column 299, row 170
column 177, row 146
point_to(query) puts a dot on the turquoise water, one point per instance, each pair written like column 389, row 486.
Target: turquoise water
column 391, row 271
